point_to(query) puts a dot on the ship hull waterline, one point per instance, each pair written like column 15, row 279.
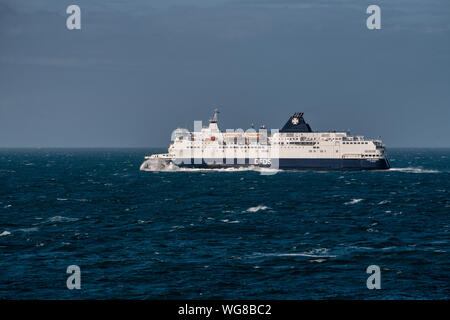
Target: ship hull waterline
column 286, row 164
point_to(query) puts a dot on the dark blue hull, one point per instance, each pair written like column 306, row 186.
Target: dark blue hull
column 299, row 164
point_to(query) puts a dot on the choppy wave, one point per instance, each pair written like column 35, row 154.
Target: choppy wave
column 300, row 254
column 170, row 167
column 153, row 166
column 32, row 229
column 318, row 260
column 230, row 221
column 309, row 255
column 61, row 219
column 257, row 208
column 414, row 170
column 290, row 223
column 353, row 201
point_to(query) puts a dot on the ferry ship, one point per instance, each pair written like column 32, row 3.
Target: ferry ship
column 295, row 146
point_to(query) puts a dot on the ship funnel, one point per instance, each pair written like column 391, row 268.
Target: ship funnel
column 296, row 123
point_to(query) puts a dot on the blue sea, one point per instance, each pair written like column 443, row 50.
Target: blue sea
column 194, row 234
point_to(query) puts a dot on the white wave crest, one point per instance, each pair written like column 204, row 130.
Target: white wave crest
column 354, row 201
column 162, row 166
column 414, row 170
column 33, row 229
column 154, row 165
column 257, row 208
column 5, row 233
column 228, row 221
column 307, row 255
column 61, row 219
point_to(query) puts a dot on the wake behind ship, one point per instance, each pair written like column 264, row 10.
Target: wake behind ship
column 295, row 146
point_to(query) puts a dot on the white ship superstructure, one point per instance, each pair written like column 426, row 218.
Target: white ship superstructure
column 295, row 146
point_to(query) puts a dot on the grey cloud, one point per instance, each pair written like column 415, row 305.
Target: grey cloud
column 140, row 68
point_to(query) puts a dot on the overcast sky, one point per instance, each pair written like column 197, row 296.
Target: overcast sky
column 140, row 68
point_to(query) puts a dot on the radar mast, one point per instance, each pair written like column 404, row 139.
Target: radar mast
column 214, row 119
